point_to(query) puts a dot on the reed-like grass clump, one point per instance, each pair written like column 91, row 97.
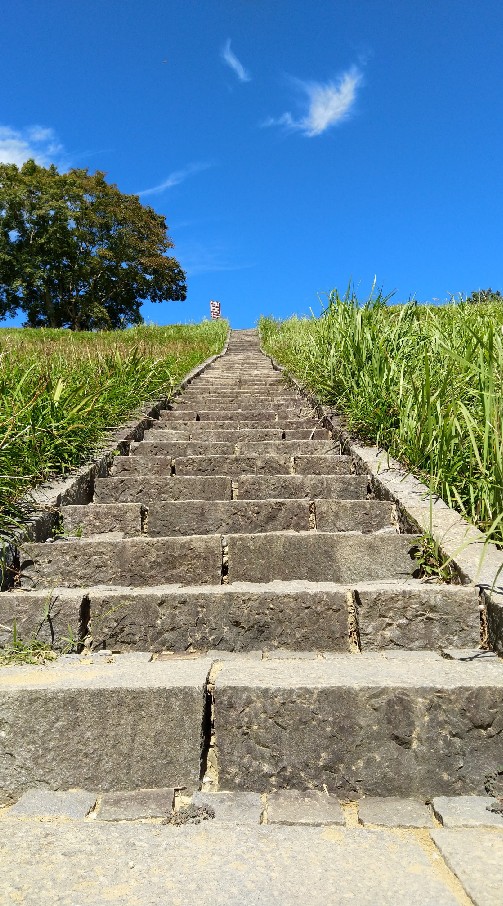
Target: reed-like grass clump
column 423, row 382
column 61, row 392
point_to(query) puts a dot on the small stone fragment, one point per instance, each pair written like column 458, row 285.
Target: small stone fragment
column 231, row 808
column 311, row 807
column 190, row 814
column 54, row 804
column 135, row 804
column 394, row 812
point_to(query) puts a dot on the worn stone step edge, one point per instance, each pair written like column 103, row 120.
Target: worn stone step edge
column 242, row 616
column 461, row 543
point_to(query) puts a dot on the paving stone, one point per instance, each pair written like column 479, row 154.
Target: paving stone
column 148, row 450
column 125, row 488
column 467, row 654
column 354, row 515
column 232, row 465
column 134, row 561
column 366, row 725
column 106, row 723
column 392, row 811
column 428, row 616
column 143, row 465
column 316, row 464
column 95, row 519
column 476, row 857
column 188, row 517
column 50, row 616
column 257, row 487
column 232, row 808
column 236, row 617
column 135, row 804
column 303, row 807
column 466, row 811
column 39, row 803
column 86, row 863
column 340, row 557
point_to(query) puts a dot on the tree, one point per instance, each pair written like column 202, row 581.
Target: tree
column 479, row 296
column 76, row 252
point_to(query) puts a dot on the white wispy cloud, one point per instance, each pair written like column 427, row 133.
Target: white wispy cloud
column 207, row 257
column 175, row 178
column 328, row 104
column 37, row 142
column 229, row 57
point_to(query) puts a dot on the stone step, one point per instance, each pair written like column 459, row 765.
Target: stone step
column 255, row 463
column 197, row 427
column 376, row 724
column 227, row 435
column 196, row 560
column 202, row 517
column 240, row 415
column 331, row 557
column 340, row 487
column 320, row 557
column 126, row 488
column 102, row 724
column 306, row 616
column 239, row 400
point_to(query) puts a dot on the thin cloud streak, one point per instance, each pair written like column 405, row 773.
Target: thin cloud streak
column 175, row 178
column 229, row 57
column 38, row 143
column 329, row 103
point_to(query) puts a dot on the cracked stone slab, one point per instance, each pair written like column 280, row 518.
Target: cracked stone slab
column 102, row 723
column 123, row 488
column 311, row 807
column 232, row 808
column 466, row 811
column 394, row 812
column 476, row 857
column 215, row 863
column 132, row 805
column 38, row 803
column 368, row 725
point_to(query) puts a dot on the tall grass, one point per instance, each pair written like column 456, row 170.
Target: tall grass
column 423, row 382
column 60, row 392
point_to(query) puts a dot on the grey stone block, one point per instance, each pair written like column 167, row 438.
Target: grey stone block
column 148, row 449
column 363, row 725
column 232, row 465
column 476, row 857
column 132, row 805
column 295, row 448
column 236, row 617
column 128, row 488
column 392, row 811
column 231, row 808
column 51, row 616
column 316, row 557
column 186, row 517
column 96, row 519
column 133, row 561
column 317, row 464
column 354, row 515
column 303, row 807
column 54, row 804
column 217, row 863
column 256, row 487
column 425, row 616
column 140, row 464
column 466, row 811
column 88, row 722
column 237, row 435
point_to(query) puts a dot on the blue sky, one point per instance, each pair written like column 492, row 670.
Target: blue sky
column 293, row 146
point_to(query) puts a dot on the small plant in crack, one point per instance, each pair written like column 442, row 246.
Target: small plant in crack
column 431, row 564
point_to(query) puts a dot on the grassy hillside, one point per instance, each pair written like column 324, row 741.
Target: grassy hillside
column 60, row 392
column 423, row 382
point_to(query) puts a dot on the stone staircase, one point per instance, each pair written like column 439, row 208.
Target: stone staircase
column 251, row 620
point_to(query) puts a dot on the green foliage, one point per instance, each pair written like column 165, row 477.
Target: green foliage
column 76, row 252
column 423, row 382
column 60, row 392
column 484, row 296
column 31, row 651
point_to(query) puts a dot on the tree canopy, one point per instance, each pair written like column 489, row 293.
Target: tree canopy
column 76, row 252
